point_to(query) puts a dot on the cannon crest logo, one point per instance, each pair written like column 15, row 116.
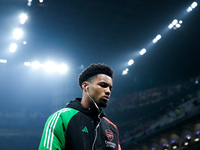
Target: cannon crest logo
column 109, row 134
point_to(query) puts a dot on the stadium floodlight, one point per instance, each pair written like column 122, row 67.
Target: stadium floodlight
column 175, row 21
column 158, row 37
column 50, row 67
column 62, row 68
column 143, row 51
column 41, row 1
column 23, row 18
column 189, row 9
column 13, row 47
column 17, row 33
column 24, row 42
column 35, row 65
column 125, row 71
column 170, row 26
column 175, row 24
column 155, row 40
column 178, row 25
column 194, row 4
column 130, row 62
column 3, row 61
column 28, row 64
column 30, row 1
column 29, row 4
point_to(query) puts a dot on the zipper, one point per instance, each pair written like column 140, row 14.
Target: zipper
column 95, row 138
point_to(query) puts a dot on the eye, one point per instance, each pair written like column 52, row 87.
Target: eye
column 104, row 85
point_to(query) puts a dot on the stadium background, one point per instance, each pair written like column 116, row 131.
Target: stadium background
column 155, row 105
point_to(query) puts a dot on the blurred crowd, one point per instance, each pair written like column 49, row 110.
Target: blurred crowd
column 145, row 112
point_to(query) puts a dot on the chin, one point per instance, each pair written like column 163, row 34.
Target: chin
column 102, row 104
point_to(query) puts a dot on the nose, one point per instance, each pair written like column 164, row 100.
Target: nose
column 108, row 91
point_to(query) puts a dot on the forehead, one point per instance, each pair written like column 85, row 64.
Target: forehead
column 103, row 78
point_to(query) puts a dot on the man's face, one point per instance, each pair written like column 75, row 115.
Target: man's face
column 100, row 89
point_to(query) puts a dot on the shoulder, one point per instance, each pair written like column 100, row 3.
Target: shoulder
column 108, row 121
column 65, row 113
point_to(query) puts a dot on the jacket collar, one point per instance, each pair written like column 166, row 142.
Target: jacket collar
column 93, row 111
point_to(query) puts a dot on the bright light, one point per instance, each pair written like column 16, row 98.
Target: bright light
column 175, row 21
column 24, row 42
column 50, row 67
column 158, row 37
column 154, row 40
column 130, row 62
column 174, row 147
column 35, row 65
column 62, row 68
column 170, row 26
column 143, row 51
column 189, row 9
column 13, row 47
column 29, row 4
column 3, row 61
column 41, row 1
column 125, row 71
column 27, row 64
column 196, row 82
column 23, row 18
column 17, row 34
column 175, row 24
column 178, row 25
column 196, row 139
column 186, row 143
column 194, row 4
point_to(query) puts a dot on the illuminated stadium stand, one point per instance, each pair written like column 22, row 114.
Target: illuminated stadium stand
column 148, row 119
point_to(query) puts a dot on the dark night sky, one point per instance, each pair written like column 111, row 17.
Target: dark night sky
column 83, row 32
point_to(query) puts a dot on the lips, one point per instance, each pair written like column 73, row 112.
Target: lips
column 106, row 98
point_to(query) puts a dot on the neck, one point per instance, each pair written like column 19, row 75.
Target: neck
column 87, row 102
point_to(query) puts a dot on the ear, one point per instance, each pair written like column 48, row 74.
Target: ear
column 85, row 85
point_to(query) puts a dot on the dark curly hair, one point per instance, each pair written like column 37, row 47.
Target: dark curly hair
column 93, row 70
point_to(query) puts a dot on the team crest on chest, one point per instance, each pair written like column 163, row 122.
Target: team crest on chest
column 109, row 134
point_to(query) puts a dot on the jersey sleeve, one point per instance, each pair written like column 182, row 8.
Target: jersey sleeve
column 54, row 133
column 53, row 137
